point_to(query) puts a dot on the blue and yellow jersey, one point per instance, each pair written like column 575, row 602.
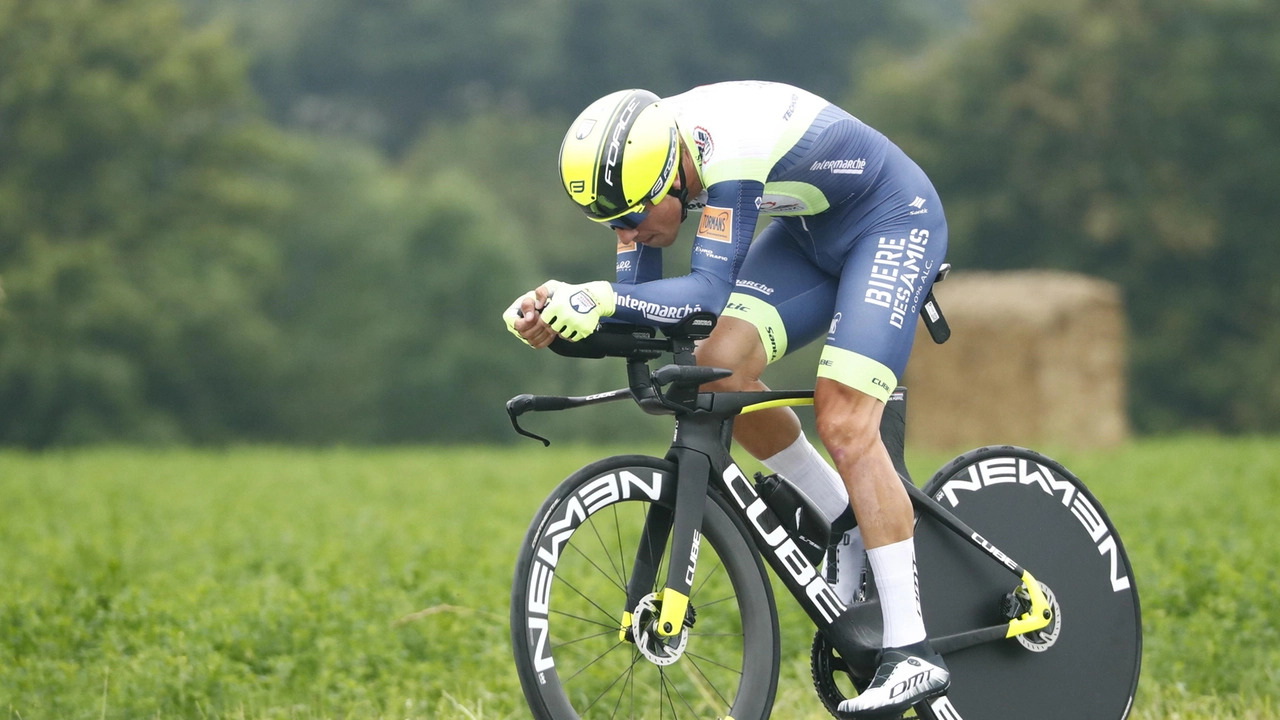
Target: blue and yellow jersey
column 760, row 148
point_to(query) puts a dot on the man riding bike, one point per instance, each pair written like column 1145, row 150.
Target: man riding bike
column 857, row 238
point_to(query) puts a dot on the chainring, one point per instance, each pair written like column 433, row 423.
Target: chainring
column 830, row 673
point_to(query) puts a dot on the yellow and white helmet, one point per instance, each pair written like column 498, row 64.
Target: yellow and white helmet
column 623, row 150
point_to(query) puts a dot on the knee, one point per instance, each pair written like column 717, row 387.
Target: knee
column 848, row 420
column 736, row 348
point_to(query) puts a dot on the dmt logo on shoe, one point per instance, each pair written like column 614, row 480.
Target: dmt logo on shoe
column 917, row 679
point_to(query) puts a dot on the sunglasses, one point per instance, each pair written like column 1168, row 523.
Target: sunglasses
column 632, row 220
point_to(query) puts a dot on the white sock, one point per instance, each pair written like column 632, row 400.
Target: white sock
column 895, row 572
column 806, row 469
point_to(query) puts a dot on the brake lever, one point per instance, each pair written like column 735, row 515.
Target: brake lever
column 518, row 406
column 522, row 404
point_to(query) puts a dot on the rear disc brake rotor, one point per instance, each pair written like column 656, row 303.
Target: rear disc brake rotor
column 1045, row 637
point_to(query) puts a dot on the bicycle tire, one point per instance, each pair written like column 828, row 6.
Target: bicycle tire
column 1045, row 519
column 569, row 591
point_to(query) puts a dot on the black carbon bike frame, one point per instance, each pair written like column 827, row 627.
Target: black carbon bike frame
column 700, row 451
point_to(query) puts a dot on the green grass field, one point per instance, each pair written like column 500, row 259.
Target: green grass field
column 265, row 583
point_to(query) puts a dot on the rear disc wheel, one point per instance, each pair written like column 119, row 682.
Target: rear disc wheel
column 1085, row 663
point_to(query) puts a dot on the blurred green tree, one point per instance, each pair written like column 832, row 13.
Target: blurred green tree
column 1132, row 139
column 177, row 270
column 513, row 161
column 132, row 197
column 385, row 70
column 391, row 305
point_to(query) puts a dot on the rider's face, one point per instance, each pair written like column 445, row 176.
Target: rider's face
column 662, row 223
column 659, row 227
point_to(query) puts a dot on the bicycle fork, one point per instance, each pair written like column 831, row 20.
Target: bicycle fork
column 693, row 473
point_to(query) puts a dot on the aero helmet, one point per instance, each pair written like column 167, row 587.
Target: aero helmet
column 622, row 150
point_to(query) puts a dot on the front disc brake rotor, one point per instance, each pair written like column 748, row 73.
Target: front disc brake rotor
column 644, row 626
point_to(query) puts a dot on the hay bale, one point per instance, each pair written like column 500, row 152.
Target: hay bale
column 1036, row 359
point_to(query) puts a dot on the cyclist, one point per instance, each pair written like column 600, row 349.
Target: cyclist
column 857, row 236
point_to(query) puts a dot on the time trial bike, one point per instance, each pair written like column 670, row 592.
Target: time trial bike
column 640, row 591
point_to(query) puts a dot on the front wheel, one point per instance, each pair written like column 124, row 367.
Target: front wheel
column 568, row 600
column 1085, row 663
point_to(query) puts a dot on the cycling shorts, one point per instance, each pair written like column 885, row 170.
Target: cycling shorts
column 858, row 272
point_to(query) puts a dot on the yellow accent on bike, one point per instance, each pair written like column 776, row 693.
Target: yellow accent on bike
column 626, row 625
column 1038, row 616
column 776, row 403
column 674, row 605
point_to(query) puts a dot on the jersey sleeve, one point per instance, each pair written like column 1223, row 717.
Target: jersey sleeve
column 638, row 264
column 724, row 234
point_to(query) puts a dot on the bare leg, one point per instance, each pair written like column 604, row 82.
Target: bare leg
column 735, row 344
column 849, row 422
column 849, row 425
